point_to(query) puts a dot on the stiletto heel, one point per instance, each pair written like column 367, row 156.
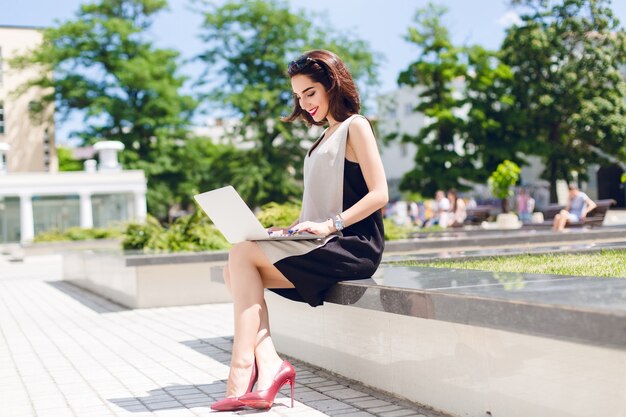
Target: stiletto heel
column 265, row 398
column 233, row 403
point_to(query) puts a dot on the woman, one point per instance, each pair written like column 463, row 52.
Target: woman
column 344, row 190
column 458, row 210
column 578, row 206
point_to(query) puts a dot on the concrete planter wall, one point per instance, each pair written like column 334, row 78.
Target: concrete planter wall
column 113, row 275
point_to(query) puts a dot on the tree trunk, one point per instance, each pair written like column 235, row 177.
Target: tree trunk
column 552, row 161
column 553, row 196
column 505, row 205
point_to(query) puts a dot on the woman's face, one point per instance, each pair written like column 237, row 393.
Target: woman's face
column 311, row 95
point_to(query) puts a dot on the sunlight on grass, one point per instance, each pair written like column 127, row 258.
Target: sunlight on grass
column 607, row 263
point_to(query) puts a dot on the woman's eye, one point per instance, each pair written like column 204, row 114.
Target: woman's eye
column 311, row 95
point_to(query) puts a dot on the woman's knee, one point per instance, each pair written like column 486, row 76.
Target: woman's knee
column 242, row 252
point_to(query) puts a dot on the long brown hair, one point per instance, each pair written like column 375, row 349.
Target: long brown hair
column 328, row 69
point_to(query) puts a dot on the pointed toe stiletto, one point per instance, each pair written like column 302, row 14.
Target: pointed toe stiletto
column 227, row 404
column 265, row 398
column 233, row 403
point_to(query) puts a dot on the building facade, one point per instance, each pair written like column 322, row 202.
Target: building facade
column 34, row 196
column 32, row 143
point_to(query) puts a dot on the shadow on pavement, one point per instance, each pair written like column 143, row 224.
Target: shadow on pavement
column 90, row 300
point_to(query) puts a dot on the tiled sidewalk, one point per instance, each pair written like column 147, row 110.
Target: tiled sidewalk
column 67, row 352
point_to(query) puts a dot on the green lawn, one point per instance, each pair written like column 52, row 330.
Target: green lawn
column 607, row 263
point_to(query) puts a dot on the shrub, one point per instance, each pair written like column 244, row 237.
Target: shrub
column 501, row 181
column 78, row 233
column 190, row 233
column 274, row 214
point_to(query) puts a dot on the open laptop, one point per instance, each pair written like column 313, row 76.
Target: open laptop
column 235, row 220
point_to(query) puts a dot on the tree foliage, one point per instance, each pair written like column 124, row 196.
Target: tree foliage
column 102, row 65
column 565, row 58
column 67, row 161
column 438, row 164
column 490, row 131
column 248, row 46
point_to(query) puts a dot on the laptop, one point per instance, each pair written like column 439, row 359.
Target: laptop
column 235, row 220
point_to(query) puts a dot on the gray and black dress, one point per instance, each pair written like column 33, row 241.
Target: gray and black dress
column 332, row 184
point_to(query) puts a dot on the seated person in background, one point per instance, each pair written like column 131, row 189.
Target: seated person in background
column 441, row 208
column 577, row 207
column 458, row 211
column 525, row 205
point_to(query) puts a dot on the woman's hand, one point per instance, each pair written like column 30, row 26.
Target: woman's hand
column 322, row 229
column 277, row 231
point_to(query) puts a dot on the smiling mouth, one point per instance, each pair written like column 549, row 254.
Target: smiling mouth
column 312, row 113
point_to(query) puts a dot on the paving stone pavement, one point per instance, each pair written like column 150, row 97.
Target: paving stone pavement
column 68, row 352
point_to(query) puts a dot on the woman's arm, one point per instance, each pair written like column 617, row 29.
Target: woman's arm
column 590, row 205
column 362, row 146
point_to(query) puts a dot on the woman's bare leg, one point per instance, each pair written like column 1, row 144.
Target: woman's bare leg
column 562, row 219
column 246, row 283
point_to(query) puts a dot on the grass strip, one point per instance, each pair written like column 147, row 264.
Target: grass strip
column 605, row 263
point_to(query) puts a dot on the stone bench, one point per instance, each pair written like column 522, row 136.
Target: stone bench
column 470, row 343
column 144, row 281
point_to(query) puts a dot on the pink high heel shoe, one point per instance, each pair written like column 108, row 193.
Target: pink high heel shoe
column 265, row 398
column 233, row 403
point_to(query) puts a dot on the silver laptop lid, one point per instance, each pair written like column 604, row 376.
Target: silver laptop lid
column 232, row 216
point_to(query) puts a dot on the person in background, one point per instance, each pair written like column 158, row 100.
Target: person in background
column 458, row 210
column 577, row 208
column 414, row 213
column 525, row 205
column 441, row 209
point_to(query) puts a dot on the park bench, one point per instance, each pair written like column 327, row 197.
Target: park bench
column 477, row 215
column 594, row 218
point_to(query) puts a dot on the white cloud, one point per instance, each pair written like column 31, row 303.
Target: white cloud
column 509, row 18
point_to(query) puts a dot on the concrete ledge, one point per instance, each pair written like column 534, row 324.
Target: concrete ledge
column 588, row 310
column 176, row 258
column 470, row 343
column 463, row 370
column 142, row 286
column 502, row 238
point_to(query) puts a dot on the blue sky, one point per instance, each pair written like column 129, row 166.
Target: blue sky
column 381, row 23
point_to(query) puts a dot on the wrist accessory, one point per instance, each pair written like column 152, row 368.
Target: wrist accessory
column 338, row 221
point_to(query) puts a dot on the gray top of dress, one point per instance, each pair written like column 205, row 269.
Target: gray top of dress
column 323, row 176
column 323, row 193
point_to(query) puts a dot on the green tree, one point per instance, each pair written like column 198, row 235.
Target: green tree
column 438, row 70
column 491, row 129
column 248, row 47
column 67, row 161
column 569, row 93
column 102, row 65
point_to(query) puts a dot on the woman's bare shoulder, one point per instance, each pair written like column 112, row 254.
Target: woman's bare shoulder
column 360, row 127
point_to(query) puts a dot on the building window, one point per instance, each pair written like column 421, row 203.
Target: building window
column 408, row 109
column 1, row 118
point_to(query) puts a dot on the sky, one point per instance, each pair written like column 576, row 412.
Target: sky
column 381, row 23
